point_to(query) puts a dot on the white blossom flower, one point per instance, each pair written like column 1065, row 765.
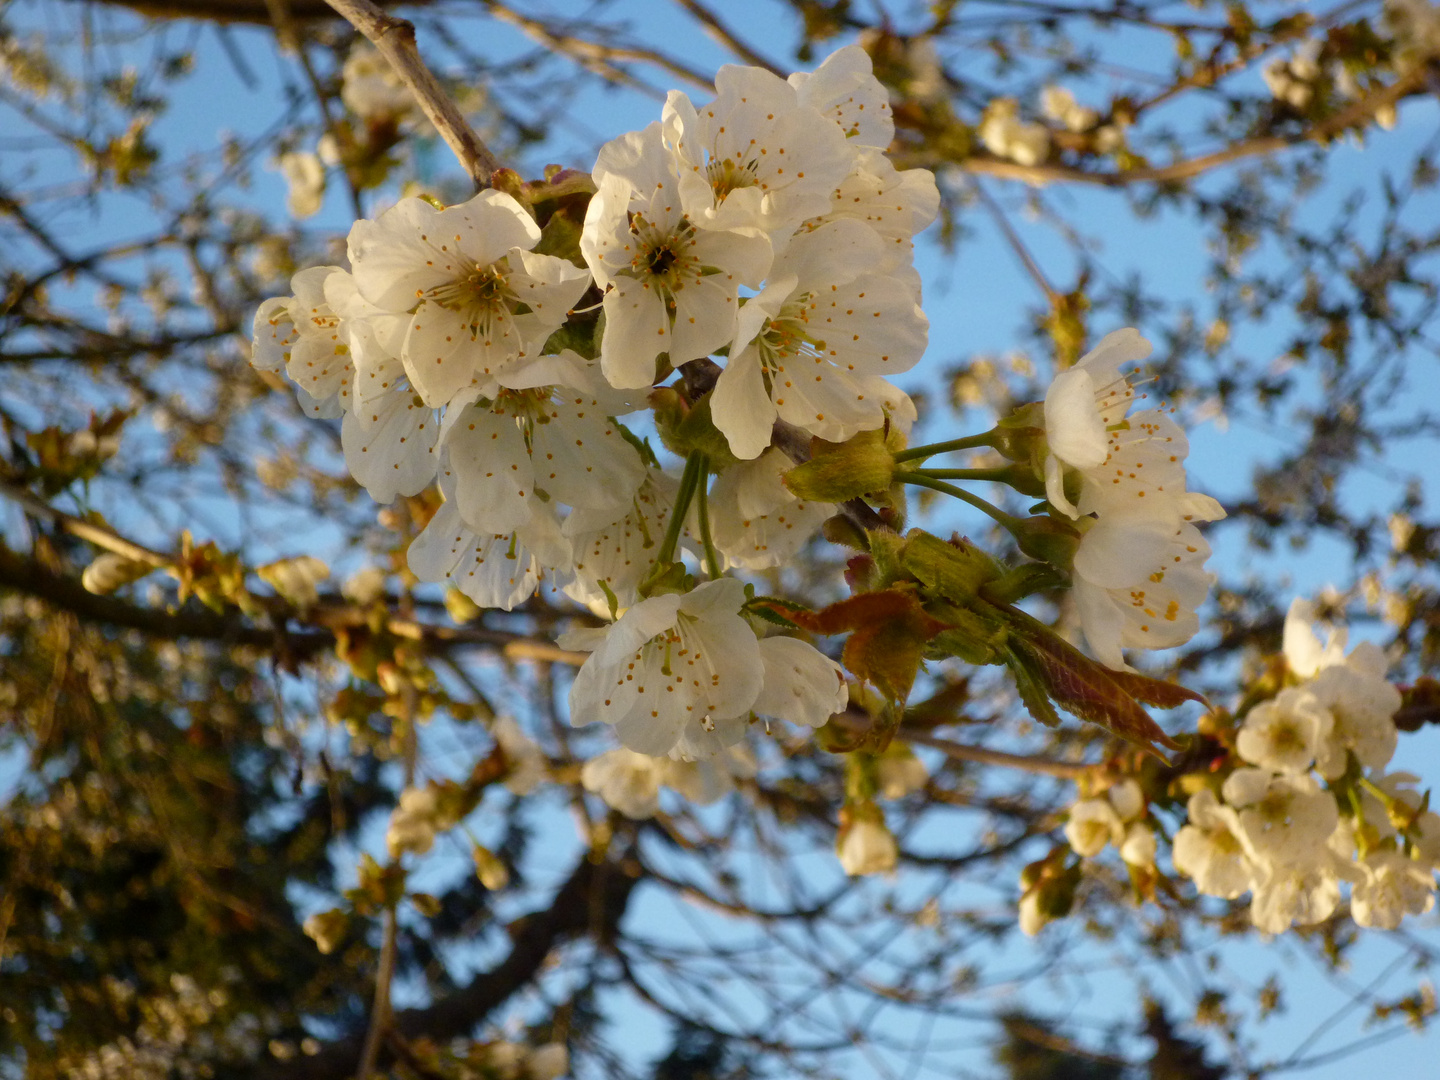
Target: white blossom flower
column 898, row 772
column 303, row 335
column 1059, row 104
column 707, row 780
column 616, row 545
column 669, row 286
column 754, row 157
column 867, row 847
column 1352, row 688
column 628, row 781
column 1128, row 799
column 1284, row 820
column 479, row 299
column 844, row 87
column 1392, row 887
column 1138, row 582
column 1092, row 825
column 496, row 570
column 896, row 204
column 305, row 176
column 1287, row 894
column 1210, row 848
column 1125, row 464
column 755, row 520
column 1292, row 79
column 1304, row 654
column 1285, row 733
column 1006, row 135
column 371, row 89
column 808, row 347
column 669, row 662
column 1363, row 704
column 546, row 436
column 1138, row 848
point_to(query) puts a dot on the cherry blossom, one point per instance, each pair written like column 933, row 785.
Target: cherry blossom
column 1210, row 848
column 1092, row 825
column 499, row 570
column 801, row 684
column 758, row 522
column 867, row 847
column 1285, row 733
column 1006, row 135
column 479, row 300
column 547, row 435
column 1138, row 581
column 615, row 545
column 895, row 204
column 1392, row 887
column 755, row 158
column 809, row 347
column 303, row 335
column 844, row 87
column 668, row 662
column 670, row 287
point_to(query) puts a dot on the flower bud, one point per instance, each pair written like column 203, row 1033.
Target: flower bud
column 110, row 572
column 955, row 570
column 865, row 845
column 1048, row 539
column 327, row 929
column 685, row 428
column 841, row 471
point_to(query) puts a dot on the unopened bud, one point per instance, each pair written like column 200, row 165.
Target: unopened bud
column 686, row 428
column 493, row 873
column 841, row 471
column 954, row 570
column 327, row 929
column 110, row 572
column 1048, row 539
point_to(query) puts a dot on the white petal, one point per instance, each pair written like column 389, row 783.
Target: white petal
column 394, row 452
column 493, row 473
column 802, row 684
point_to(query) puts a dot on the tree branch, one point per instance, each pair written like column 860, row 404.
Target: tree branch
column 395, row 38
column 592, row 901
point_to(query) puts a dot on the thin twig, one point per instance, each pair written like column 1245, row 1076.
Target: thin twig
column 1066, row 770
column 997, row 214
column 599, row 58
column 395, row 38
column 727, row 37
column 380, row 1011
column 95, row 534
column 1355, row 115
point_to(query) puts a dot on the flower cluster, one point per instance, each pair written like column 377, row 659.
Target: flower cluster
column 442, row 350
column 738, row 274
column 1274, row 829
column 1139, row 568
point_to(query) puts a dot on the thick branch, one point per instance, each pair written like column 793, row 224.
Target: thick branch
column 395, row 38
column 592, row 901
